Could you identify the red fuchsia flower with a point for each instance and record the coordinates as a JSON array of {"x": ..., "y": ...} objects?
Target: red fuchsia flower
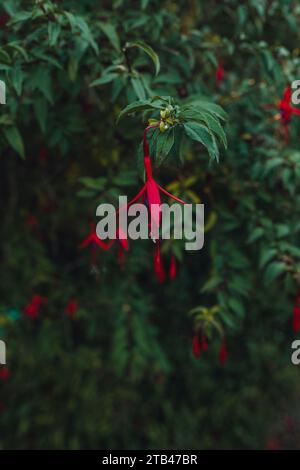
[
  {"x": 87, "y": 107},
  {"x": 272, "y": 444},
  {"x": 173, "y": 268},
  {"x": 289, "y": 423},
  {"x": 121, "y": 257},
  {"x": 223, "y": 353},
  {"x": 220, "y": 72},
  {"x": 296, "y": 319},
  {"x": 93, "y": 240},
  {"x": 123, "y": 246},
  {"x": 43, "y": 154},
  {"x": 71, "y": 307},
  {"x": 151, "y": 191},
  {"x": 158, "y": 267},
  {"x": 196, "y": 346},
  {"x": 204, "y": 345},
  {"x": 286, "y": 111},
  {"x": 31, "y": 221},
  {"x": 4, "y": 374},
  {"x": 4, "y": 18},
  {"x": 33, "y": 307},
  {"x": 296, "y": 314}
]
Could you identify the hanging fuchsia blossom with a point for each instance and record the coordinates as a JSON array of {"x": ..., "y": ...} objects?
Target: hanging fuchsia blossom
[
  {"x": 223, "y": 353},
  {"x": 31, "y": 221},
  {"x": 151, "y": 191},
  {"x": 296, "y": 314},
  {"x": 4, "y": 374},
  {"x": 159, "y": 270},
  {"x": 33, "y": 307},
  {"x": 173, "y": 268},
  {"x": 196, "y": 346},
  {"x": 43, "y": 155},
  {"x": 220, "y": 72},
  {"x": 286, "y": 111},
  {"x": 71, "y": 307},
  {"x": 199, "y": 344},
  {"x": 93, "y": 240}
]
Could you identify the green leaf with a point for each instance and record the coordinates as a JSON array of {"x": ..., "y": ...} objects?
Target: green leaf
[
  {"x": 207, "y": 106},
  {"x": 126, "y": 178},
  {"x": 138, "y": 87},
  {"x": 21, "y": 16},
  {"x": 14, "y": 138},
  {"x": 16, "y": 47},
  {"x": 164, "y": 144},
  {"x": 274, "y": 270},
  {"x": 104, "y": 79},
  {"x": 93, "y": 183},
  {"x": 149, "y": 51},
  {"x": 199, "y": 133},
  {"x": 267, "y": 256},
  {"x": 86, "y": 32},
  {"x": 54, "y": 30},
  {"x": 236, "y": 306},
  {"x": 211, "y": 284},
  {"x": 41, "y": 108},
  {"x": 4, "y": 57},
  {"x": 138, "y": 106},
  {"x": 17, "y": 78},
  {"x": 87, "y": 193},
  {"x": 214, "y": 125},
  {"x": 271, "y": 164},
  {"x": 110, "y": 32},
  {"x": 282, "y": 230},
  {"x": 257, "y": 233}
]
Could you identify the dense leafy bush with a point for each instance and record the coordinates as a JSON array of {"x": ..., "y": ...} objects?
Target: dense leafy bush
[{"x": 99, "y": 352}]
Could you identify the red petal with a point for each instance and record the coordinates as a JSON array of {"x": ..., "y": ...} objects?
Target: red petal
[
  {"x": 71, "y": 308},
  {"x": 223, "y": 353},
  {"x": 296, "y": 319},
  {"x": 295, "y": 110},
  {"x": 4, "y": 373},
  {"x": 104, "y": 245},
  {"x": 158, "y": 266},
  {"x": 122, "y": 239},
  {"x": 121, "y": 257},
  {"x": 31, "y": 310},
  {"x": 196, "y": 347},
  {"x": 154, "y": 203},
  {"x": 170, "y": 195},
  {"x": 220, "y": 72},
  {"x": 287, "y": 95},
  {"x": 86, "y": 241},
  {"x": 173, "y": 268}
]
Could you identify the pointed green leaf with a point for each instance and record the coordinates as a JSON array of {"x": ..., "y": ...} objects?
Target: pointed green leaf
[
  {"x": 14, "y": 138},
  {"x": 149, "y": 51}
]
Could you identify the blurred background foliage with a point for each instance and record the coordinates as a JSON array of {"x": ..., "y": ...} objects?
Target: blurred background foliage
[{"x": 102, "y": 358}]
